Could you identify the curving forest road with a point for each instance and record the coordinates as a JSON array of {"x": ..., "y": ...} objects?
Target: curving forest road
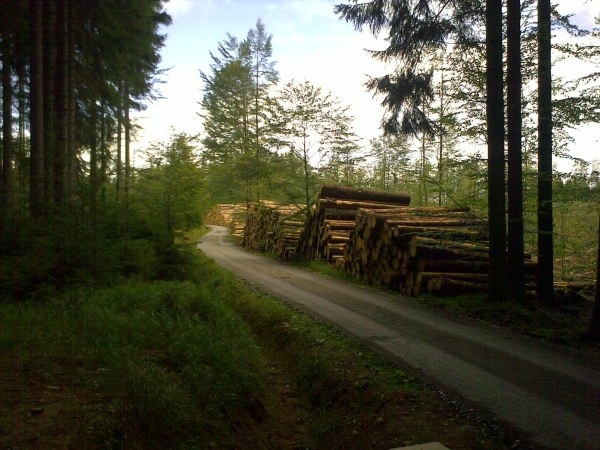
[{"x": 550, "y": 393}]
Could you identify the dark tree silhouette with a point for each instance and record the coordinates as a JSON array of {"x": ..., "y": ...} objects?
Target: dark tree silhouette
[
  {"x": 545, "y": 280},
  {"x": 495, "y": 134},
  {"x": 516, "y": 246}
]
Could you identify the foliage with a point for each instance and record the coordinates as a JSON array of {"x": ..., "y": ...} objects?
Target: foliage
[
  {"x": 71, "y": 73},
  {"x": 315, "y": 130},
  {"x": 237, "y": 109},
  {"x": 170, "y": 192}
]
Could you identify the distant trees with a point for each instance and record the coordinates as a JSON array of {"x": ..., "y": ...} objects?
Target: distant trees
[
  {"x": 258, "y": 140},
  {"x": 236, "y": 108},
  {"x": 314, "y": 127},
  {"x": 391, "y": 166}
]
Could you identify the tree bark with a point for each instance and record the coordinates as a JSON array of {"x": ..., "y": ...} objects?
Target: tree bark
[
  {"x": 60, "y": 99},
  {"x": 49, "y": 104},
  {"x": 545, "y": 222},
  {"x": 36, "y": 190},
  {"x": 7, "y": 121},
  {"x": 495, "y": 135},
  {"x": 339, "y": 192},
  {"x": 516, "y": 245}
]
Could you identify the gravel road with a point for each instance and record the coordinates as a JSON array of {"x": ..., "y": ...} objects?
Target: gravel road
[{"x": 551, "y": 393}]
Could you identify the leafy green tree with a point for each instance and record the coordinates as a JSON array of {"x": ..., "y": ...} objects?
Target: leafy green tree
[
  {"x": 227, "y": 141},
  {"x": 171, "y": 191},
  {"x": 413, "y": 30},
  {"x": 343, "y": 165},
  {"x": 264, "y": 78},
  {"x": 71, "y": 59},
  {"x": 237, "y": 106}
]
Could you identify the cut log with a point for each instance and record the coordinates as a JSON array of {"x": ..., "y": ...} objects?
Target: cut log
[
  {"x": 340, "y": 192},
  {"x": 326, "y": 203}
]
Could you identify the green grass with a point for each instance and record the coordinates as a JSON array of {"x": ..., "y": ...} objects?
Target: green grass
[{"x": 183, "y": 362}]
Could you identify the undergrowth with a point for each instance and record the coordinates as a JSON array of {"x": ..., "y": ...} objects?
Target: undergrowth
[{"x": 184, "y": 364}]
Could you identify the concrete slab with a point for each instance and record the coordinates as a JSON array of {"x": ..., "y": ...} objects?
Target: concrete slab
[{"x": 429, "y": 446}]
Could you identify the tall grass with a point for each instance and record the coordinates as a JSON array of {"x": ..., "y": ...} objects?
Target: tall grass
[{"x": 183, "y": 362}]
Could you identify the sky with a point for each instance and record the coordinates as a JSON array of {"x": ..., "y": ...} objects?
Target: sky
[{"x": 309, "y": 43}]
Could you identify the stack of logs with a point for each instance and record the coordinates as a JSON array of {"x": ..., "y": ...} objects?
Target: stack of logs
[
  {"x": 332, "y": 221},
  {"x": 232, "y": 215},
  {"x": 378, "y": 238},
  {"x": 273, "y": 228},
  {"x": 409, "y": 249}
]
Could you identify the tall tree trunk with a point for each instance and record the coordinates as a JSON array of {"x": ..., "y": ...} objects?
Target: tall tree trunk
[
  {"x": 22, "y": 148},
  {"x": 545, "y": 282},
  {"x": 495, "y": 136},
  {"x": 49, "y": 103},
  {"x": 119, "y": 156},
  {"x": 516, "y": 245},
  {"x": 94, "y": 172},
  {"x": 7, "y": 120},
  {"x": 103, "y": 153},
  {"x": 257, "y": 133},
  {"x": 127, "y": 124},
  {"x": 594, "y": 331},
  {"x": 440, "y": 166},
  {"x": 60, "y": 109},
  {"x": 36, "y": 91},
  {"x": 423, "y": 183},
  {"x": 71, "y": 162}
]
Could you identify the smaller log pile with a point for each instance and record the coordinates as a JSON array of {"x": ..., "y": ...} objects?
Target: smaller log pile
[
  {"x": 286, "y": 228},
  {"x": 332, "y": 221},
  {"x": 232, "y": 215},
  {"x": 258, "y": 219},
  {"x": 273, "y": 228}
]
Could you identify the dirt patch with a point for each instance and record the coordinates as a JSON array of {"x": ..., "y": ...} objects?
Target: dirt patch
[{"x": 45, "y": 405}]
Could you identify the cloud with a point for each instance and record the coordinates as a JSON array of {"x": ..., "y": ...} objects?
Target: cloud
[{"x": 180, "y": 8}]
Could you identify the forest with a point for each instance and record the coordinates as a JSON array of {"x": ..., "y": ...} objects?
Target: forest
[{"x": 467, "y": 125}]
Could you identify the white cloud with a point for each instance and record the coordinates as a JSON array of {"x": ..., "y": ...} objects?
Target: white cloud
[{"x": 179, "y": 8}]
